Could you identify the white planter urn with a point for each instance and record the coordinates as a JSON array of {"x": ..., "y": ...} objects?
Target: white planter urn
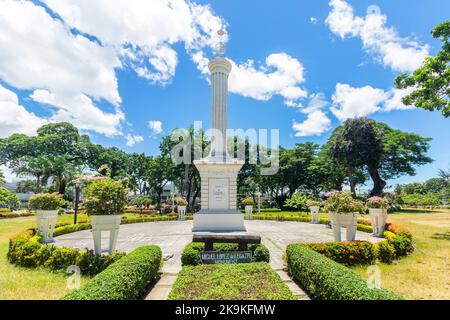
[
  {"x": 248, "y": 212},
  {"x": 378, "y": 218},
  {"x": 181, "y": 213},
  {"x": 111, "y": 224},
  {"x": 314, "y": 214},
  {"x": 45, "y": 223},
  {"x": 345, "y": 220}
]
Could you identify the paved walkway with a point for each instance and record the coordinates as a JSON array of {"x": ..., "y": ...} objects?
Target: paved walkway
[{"x": 173, "y": 236}]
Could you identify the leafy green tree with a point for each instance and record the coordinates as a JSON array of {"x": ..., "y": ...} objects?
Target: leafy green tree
[
  {"x": 8, "y": 199},
  {"x": 297, "y": 202},
  {"x": 359, "y": 143},
  {"x": 431, "y": 82},
  {"x": 386, "y": 153},
  {"x": 2, "y": 178},
  {"x": 160, "y": 172},
  {"x": 141, "y": 202}
]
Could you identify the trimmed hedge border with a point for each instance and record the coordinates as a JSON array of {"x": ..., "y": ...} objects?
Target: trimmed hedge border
[
  {"x": 348, "y": 253},
  {"x": 397, "y": 244},
  {"x": 26, "y": 249},
  {"x": 191, "y": 253},
  {"x": 127, "y": 279},
  {"x": 11, "y": 215},
  {"x": 325, "y": 279}
]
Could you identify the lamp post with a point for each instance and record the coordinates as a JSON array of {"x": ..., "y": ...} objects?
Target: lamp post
[
  {"x": 258, "y": 193},
  {"x": 77, "y": 195},
  {"x": 172, "y": 193}
]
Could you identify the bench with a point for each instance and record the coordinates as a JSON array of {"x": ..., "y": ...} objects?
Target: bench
[{"x": 241, "y": 240}]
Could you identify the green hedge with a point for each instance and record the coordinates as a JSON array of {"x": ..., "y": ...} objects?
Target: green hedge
[
  {"x": 325, "y": 279},
  {"x": 25, "y": 250},
  {"x": 127, "y": 279},
  {"x": 191, "y": 253},
  {"x": 349, "y": 253}
]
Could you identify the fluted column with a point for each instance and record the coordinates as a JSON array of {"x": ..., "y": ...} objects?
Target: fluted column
[{"x": 220, "y": 69}]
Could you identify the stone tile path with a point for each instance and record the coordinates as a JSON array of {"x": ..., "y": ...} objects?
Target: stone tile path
[{"x": 173, "y": 236}]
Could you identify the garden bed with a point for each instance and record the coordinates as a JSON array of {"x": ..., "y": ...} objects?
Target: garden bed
[{"x": 252, "y": 281}]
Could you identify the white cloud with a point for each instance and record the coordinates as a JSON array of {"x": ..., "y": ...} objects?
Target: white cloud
[
  {"x": 155, "y": 127},
  {"x": 349, "y": 102},
  {"x": 280, "y": 75},
  {"x": 132, "y": 140},
  {"x": 145, "y": 31},
  {"x": 14, "y": 117},
  {"x": 313, "y": 20},
  {"x": 395, "y": 99},
  {"x": 393, "y": 51},
  {"x": 317, "y": 121},
  {"x": 38, "y": 52}
]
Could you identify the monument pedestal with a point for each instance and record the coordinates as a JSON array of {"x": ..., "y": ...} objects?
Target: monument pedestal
[{"x": 219, "y": 193}]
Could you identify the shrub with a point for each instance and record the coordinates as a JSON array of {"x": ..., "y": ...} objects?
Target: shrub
[
  {"x": 325, "y": 279},
  {"x": 46, "y": 201},
  {"x": 377, "y": 203},
  {"x": 141, "y": 202},
  {"x": 105, "y": 197},
  {"x": 25, "y": 250},
  {"x": 385, "y": 251},
  {"x": 402, "y": 244},
  {"x": 8, "y": 199},
  {"x": 126, "y": 279},
  {"x": 191, "y": 253},
  {"x": 297, "y": 202},
  {"x": 313, "y": 203},
  {"x": 343, "y": 202},
  {"x": 180, "y": 201},
  {"x": 248, "y": 201},
  {"x": 348, "y": 253}
]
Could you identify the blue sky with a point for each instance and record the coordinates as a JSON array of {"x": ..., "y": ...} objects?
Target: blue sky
[{"x": 313, "y": 61}]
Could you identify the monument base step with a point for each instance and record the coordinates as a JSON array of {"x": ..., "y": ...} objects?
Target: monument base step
[{"x": 218, "y": 221}]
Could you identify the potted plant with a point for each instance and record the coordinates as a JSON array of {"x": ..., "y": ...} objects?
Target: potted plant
[
  {"x": 105, "y": 202},
  {"x": 248, "y": 204},
  {"x": 343, "y": 210},
  {"x": 47, "y": 206},
  {"x": 181, "y": 207},
  {"x": 314, "y": 208},
  {"x": 378, "y": 214}
]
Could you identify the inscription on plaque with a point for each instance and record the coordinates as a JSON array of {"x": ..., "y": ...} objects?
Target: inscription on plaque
[
  {"x": 225, "y": 257},
  {"x": 219, "y": 193}
]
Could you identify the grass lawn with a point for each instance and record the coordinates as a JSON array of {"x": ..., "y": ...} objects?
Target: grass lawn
[
  {"x": 21, "y": 283},
  {"x": 425, "y": 274},
  {"x": 252, "y": 281}
]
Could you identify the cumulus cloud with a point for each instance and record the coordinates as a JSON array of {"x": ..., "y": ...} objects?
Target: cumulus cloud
[
  {"x": 39, "y": 53},
  {"x": 383, "y": 42},
  {"x": 14, "y": 117},
  {"x": 350, "y": 102},
  {"x": 155, "y": 126},
  {"x": 317, "y": 121},
  {"x": 132, "y": 140}
]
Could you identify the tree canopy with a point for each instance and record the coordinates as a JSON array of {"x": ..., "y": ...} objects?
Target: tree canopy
[{"x": 430, "y": 84}]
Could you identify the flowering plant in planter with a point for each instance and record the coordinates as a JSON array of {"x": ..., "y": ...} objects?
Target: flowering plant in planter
[
  {"x": 313, "y": 203},
  {"x": 46, "y": 201},
  {"x": 248, "y": 201},
  {"x": 377, "y": 203},
  {"x": 105, "y": 197},
  {"x": 342, "y": 203},
  {"x": 180, "y": 201},
  {"x": 105, "y": 201}
]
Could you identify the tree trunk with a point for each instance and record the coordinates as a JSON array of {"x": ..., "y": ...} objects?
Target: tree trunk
[
  {"x": 378, "y": 183},
  {"x": 351, "y": 181}
]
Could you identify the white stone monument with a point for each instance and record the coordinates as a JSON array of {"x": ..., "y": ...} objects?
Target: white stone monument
[{"x": 219, "y": 171}]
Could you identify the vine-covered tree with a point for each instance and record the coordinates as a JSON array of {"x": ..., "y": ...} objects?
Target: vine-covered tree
[{"x": 431, "y": 82}]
